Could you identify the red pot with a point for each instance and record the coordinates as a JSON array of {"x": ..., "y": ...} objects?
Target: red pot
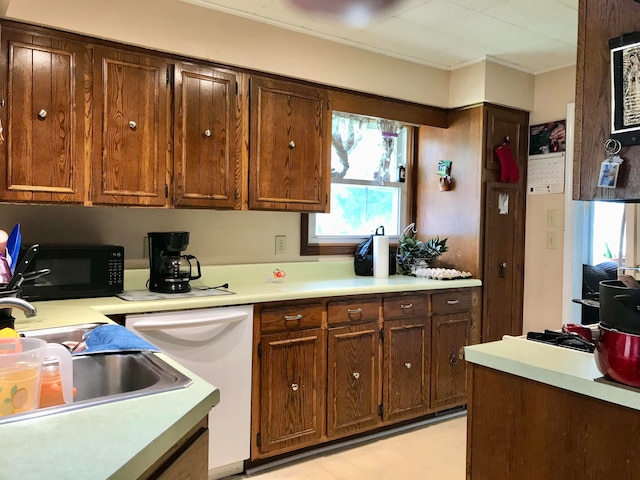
[{"x": 618, "y": 355}]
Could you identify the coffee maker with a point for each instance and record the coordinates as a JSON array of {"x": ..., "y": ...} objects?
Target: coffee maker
[{"x": 170, "y": 271}]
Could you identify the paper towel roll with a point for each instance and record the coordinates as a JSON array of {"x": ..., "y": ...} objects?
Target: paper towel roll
[{"x": 380, "y": 256}]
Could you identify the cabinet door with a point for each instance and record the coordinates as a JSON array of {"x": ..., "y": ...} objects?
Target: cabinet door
[
  {"x": 502, "y": 124},
  {"x": 407, "y": 370},
  {"x": 449, "y": 373},
  {"x": 43, "y": 156},
  {"x": 207, "y": 135},
  {"x": 131, "y": 122},
  {"x": 503, "y": 280},
  {"x": 289, "y": 164},
  {"x": 293, "y": 383},
  {"x": 354, "y": 372}
]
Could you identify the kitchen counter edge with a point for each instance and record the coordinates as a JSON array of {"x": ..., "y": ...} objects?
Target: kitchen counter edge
[{"x": 552, "y": 365}]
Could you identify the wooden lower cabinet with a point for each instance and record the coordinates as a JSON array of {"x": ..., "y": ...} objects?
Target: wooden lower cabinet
[
  {"x": 520, "y": 429},
  {"x": 353, "y": 388},
  {"x": 293, "y": 380},
  {"x": 407, "y": 357},
  {"x": 188, "y": 459},
  {"x": 338, "y": 367},
  {"x": 451, "y": 330}
]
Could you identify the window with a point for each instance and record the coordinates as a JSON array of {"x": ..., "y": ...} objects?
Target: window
[{"x": 369, "y": 159}]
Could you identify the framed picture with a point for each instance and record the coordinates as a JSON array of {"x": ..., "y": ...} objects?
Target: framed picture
[
  {"x": 608, "y": 174},
  {"x": 625, "y": 88},
  {"x": 548, "y": 138}
]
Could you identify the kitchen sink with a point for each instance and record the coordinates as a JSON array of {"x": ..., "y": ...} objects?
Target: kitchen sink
[{"x": 102, "y": 378}]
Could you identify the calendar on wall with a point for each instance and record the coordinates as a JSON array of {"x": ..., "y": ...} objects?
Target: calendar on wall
[{"x": 545, "y": 173}]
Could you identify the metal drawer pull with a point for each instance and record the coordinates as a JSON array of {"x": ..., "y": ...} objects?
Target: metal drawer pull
[
  {"x": 453, "y": 302},
  {"x": 404, "y": 307},
  {"x": 356, "y": 375},
  {"x": 132, "y": 125},
  {"x": 354, "y": 310},
  {"x": 207, "y": 133},
  {"x": 289, "y": 318},
  {"x": 42, "y": 114},
  {"x": 294, "y": 387},
  {"x": 408, "y": 365}
]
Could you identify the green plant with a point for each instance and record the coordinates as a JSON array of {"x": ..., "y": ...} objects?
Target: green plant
[{"x": 412, "y": 251}]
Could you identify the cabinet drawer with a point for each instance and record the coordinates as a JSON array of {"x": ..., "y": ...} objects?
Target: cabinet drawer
[
  {"x": 406, "y": 306},
  {"x": 291, "y": 317},
  {"x": 454, "y": 302},
  {"x": 346, "y": 311}
]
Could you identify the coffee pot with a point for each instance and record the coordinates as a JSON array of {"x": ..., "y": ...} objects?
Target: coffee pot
[{"x": 170, "y": 271}]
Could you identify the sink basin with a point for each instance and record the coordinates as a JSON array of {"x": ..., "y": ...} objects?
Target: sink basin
[{"x": 106, "y": 377}]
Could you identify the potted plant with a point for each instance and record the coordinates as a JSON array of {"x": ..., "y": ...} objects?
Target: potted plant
[{"x": 414, "y": 253}]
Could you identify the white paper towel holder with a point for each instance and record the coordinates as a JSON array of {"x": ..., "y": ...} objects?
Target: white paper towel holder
[{"x": 380, "y": 253}]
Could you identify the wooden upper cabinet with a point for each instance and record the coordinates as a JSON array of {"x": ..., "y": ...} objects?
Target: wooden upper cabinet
[
  {"x": 506, "y": 124},
  {"x": 42, "y": 157},
  {"x": 600, "y": 21},
  {"x": 289, "y": 153},
  {"x": 131, "y": 128},
  {"x": 207, "y": 137}
]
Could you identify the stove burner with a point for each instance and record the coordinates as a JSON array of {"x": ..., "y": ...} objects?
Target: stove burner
[{"x": 562, "y": 339}]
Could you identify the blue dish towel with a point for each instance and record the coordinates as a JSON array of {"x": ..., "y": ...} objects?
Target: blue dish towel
[{"x": 115, "y": 338}]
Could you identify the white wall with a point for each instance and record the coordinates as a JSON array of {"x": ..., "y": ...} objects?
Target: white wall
[{"x": 543, "y": 266}]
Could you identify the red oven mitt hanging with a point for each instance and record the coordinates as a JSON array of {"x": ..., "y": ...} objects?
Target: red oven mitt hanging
[{"x": 509, "y": 171}]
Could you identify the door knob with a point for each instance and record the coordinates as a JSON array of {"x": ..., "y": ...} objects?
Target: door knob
[{"x": 503, "y": 268}]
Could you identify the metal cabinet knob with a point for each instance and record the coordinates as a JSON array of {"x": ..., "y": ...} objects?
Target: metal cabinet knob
[
  {"x": 207, "y": 133},
  {"x": 292, "y": 144},
  {"x": 408, "y": 365},
  {"x": 453, "y": 359},
  {"x": 356, "y": 375},
  {"x": 294, "y": 387},
  {"x": 42, "y": 114},
  {"x": 132, "y": 125}
]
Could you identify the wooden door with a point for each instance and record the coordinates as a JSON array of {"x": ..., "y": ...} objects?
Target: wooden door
[
  {"x": 42, "y": 157},
  {"x": 449, "y": 373},
  {"x": 293, "y": 383},
  {"x": 503, "y": 280},
  {"x": 207, "y": 136},
  {"x": 353, "y": 378},
  {"x": 132, "y": 122},
  {"x": 407, "y": 369},
  {"x": 289, "y": 155}
]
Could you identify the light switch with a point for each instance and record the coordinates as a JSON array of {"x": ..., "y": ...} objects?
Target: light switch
[
  {"x": 552, "y": 218},
  {"x": 552, "y": 240}
]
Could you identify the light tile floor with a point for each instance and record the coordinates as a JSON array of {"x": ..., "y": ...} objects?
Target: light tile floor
[{"x": 433, "y": 452}]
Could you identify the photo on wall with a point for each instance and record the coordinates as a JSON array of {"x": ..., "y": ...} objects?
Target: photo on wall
[{"x": 547, "y": 138}]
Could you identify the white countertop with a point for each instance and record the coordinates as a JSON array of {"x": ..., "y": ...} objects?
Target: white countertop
[
  {"x": 557, "y": 366},
  {"x": 248, "y": 282}
]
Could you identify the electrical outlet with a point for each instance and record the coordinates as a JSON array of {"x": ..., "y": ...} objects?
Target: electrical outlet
[{"x": 281, "y": 244}]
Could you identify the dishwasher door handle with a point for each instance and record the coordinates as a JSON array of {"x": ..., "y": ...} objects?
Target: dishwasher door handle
[{"x": 219, "y": 319}]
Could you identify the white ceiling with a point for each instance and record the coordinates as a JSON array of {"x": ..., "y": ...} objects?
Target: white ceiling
[{"x": 535, "y": 36}]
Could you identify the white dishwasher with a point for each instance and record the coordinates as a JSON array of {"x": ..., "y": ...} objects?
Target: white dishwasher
[{"x": 215, "y": 344}]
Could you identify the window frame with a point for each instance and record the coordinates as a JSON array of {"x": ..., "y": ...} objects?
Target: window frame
[{"x": 371, "y": 105}]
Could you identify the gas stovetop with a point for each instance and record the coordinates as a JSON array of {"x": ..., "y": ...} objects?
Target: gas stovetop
[
  {"x": 562, "y": 339},
  {"x": 142, "y": 295}
]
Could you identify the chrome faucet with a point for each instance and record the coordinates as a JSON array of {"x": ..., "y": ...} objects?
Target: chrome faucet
[{"x": 12, "y": 302}]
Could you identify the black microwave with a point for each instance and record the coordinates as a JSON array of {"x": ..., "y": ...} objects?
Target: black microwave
[{"x": 77, "y": 271}]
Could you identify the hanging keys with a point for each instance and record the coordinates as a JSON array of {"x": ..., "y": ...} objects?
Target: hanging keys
[{"x": 610, "y": 168}]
